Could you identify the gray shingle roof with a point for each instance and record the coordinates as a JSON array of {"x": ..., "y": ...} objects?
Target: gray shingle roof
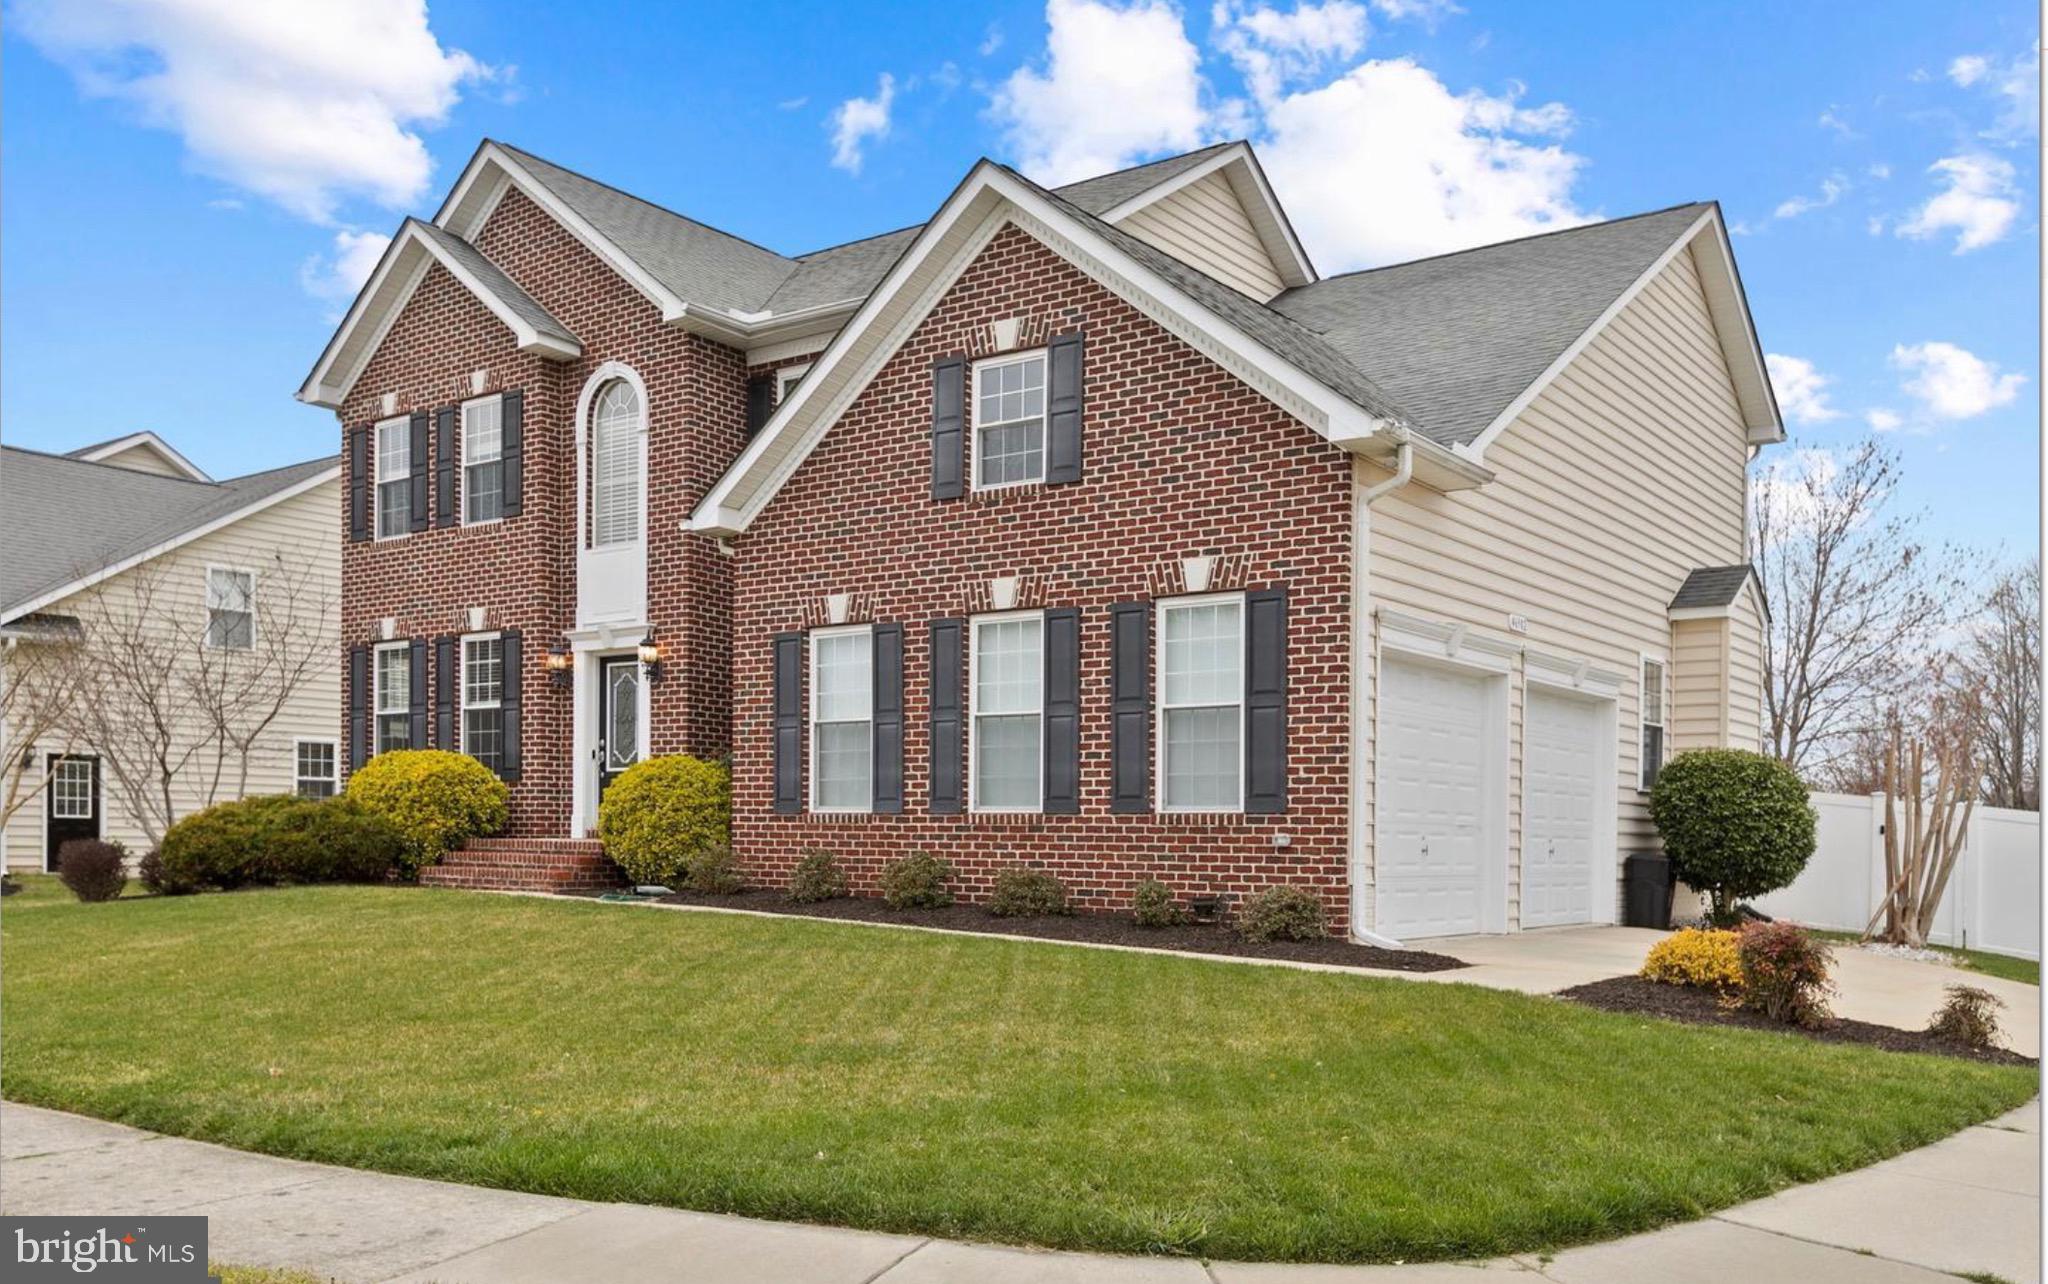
[
  {"x": 1103, "y": 193},
  {"x": 1455, "y": 339},
  {"x": 63, "y": 518},
  {"x": 842, "y": 273},
  {"x": 504, "y": 288},
  {"x": 1711, "y": 586}
]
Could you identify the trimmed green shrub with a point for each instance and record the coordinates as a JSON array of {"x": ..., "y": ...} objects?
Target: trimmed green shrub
[
  {"x": 330, "y": 840},
  {"x": 156, "y": 879},
  {"x": 662, "y": 813},
  {"x": 1023, "y": 892},
  {"x": 917, "y": 881},
  {"x": 93, "y": 870},
  {"x": 817, "y": 877},
  {"x": 1153, "y": 905},
  {"x": 1283, "y": 913},
  {"x": 436, "y": 799},
  {"x": 1968, "y": 1016},
  {"x": 1736, "y": 824},
  {"x": 1785, "y": 973},
  {"x": 713, "y": 869},
  {"x": 222, "y": 846}
]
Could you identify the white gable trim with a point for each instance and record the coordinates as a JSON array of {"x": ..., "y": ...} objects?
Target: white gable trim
[
  {"x": 1731, "y": 322},
  {"x": 391, "y": 286},
  {"x": 989, "y": 198},
  {"x": 1240, "y": 168},
  {"x": 1751, "y": 588},
  {"x": 182, "y": 538},
  {"x": 145, "y": 438}
]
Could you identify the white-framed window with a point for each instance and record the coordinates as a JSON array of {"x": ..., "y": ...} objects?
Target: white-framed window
[
  {"x": 1201, "y": 703},
  {"x": 230, "y": 608},
  {"x": 394, "y": 477},
  {"x": 615, "y": 461},
  {"x": 483, "y": 695},
  {"x": 1007, "y": 703},
  {"x": 314, "y": 773},
  {"x": 842, "y": 719},
  {"x": 1654, "y": 699},
  {"x": 483, "y": 452},
  {"x": 786, "y": 380},
  {"x": 393, "y": 690},
  {"x": 1009, "y": 420},
  {"x": 71, "y": 789}
]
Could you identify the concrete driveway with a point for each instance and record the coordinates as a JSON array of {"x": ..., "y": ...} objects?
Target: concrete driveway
[{"x": 1872, "y": 987}]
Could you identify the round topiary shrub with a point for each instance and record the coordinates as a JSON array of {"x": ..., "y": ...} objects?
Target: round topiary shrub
[
  {"x": 434, "y": 799},
  {"x": 918, "y": 881},
  {"x": 817, "y": 877},
  {"x": 93, "y": 870},
  {"x": 330, "y": 840},
  {"x": 1736, "y": 824},
  {"x": 1023, "y": 892},
  {"x": 1283, "y": 913},
  {"x": 225, "y": 846},
  {"x": 662, "y": 813}
]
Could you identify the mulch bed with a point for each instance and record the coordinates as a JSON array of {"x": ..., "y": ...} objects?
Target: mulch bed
[
  {"x": 1104, "y": 929},
  {"x": 1703, "y": 1007}
]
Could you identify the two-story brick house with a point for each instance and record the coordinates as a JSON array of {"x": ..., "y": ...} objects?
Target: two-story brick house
[{"x": 1087, "y": 528}]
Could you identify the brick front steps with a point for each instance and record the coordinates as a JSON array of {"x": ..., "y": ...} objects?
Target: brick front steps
[{"x": 526, "y": 865}]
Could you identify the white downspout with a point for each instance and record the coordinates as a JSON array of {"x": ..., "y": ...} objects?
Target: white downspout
[{"x": 1361, "y": 661}]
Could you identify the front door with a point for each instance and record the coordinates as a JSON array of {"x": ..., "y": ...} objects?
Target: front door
[
  {"x": 618, "y": 718},
  {"x": 73, "y": 803}
]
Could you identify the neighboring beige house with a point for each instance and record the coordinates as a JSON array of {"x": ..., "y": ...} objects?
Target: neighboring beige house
[{"x": 129, "y": 534}]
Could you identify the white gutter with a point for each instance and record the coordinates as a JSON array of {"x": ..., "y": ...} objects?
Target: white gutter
[{"x": 1361, "y": 659}]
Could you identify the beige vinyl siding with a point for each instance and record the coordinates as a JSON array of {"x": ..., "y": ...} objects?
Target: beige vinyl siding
[
  {"x": 144, "y": 458},
  {"x": 1205, "y": 225},
  {"x": 303, "y": 527},
  {"x": 1699, "y": 684},
  {"x": 1627, "y": 471},
  {"x": 1745, "y": 674}
]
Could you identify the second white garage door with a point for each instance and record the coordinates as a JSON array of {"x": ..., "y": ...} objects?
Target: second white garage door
[
  {"x": 1433, "y": 775},
  {"x": 1564, "y": 744}
]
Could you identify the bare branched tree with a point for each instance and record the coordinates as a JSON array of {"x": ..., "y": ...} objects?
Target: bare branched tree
[
  {"x": 1857, "y": 602},
  {"x": 2000, "y": 661},
  {"x": 38, "y": 685}
]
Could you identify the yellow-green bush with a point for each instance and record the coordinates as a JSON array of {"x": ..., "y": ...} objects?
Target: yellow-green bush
[
  {"x": 434, "y": 798},
  {"x": 662, "y": 814},
  {"x": 1702, "y": 957}
]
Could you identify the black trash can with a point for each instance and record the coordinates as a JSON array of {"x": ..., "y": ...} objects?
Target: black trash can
[{"x": 1647, "y": 888}]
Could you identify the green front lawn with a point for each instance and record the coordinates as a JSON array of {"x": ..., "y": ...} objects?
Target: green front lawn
[{"x": 953, "y": 1086}]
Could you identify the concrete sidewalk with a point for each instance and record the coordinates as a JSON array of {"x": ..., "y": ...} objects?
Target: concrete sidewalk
[{"x": 1970, "y": 1203}]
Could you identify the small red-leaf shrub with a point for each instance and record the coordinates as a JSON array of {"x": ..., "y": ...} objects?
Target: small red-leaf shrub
[
  {"x": 93, "y": 870},
  {"x": 1785, "y": 973},
  {"x": 1968, "y": 1016}
]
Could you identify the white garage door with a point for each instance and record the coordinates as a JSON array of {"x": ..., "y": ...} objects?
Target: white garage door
[
  {"x": 1431, "y": 790},
  {"x": 1562, "y": 751}
]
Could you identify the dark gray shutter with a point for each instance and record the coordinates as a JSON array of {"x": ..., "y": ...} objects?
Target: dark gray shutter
[
  {"x": 948, "y": 714},
  {"x": 887, "y": 659},
  {"x": 1061, "y": 781},
  {"x": 508, "y": 703},
  {"x": 359, "y": 484},
  {"x": 512, "y": 456},
  {"x": 416, "y": 725},
  {"x": 789, "y": 723},
  {"x": 1063, "y": 410},
  {"x": 447, "y": 678},
  {"x": 1130, "y": 707},
  {"x": 760, "y": 402},
  {"x": 444, "y": 467},
  {"x": 422, "y": 468},
  {"x": 1265, "y": 701},
  {"x": 949, "y": 420},
  {"x": 358, "y": 706}
]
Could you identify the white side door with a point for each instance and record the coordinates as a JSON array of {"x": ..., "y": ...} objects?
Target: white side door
[
  {"x": 1564, "y": 742},
  {"x": 1431, "y": 794}
]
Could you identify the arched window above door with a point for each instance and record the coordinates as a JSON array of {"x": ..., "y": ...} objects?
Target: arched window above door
[{"x": 616, "y": 462}]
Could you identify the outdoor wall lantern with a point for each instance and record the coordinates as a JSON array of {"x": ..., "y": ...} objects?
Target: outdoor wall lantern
[
  {"x": 559, "y": 662},
  {"x": 650, "y": 658}
]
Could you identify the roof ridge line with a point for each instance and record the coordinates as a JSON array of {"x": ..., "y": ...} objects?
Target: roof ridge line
[
  {"x": 1515, "y": 240},
  {"x": 68, "y": 458}
]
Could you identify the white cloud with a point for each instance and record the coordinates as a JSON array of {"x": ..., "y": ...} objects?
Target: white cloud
[
  {"x": 1790, "y": 489},
  {"x": 337, "y": 276},
  {"x": 1978, "y": 205},
  {"x": 1802, "y": 390},
  {"x": 991, "y": 41},
  {"x": 1952, "y": 382},
  {"x": 1881, "y": 420},
  {"x": 1880, "y": 171},
  {"x": 1427, "y": 12},
  {"x": 793, "y": 104},
  {"x": 1274, "y": 49},
  {"x": 1831, "y": 190},
  {"x": 305, "y": 103},
  {"x": 857, "y": 120},
  {"x": 1968, "y": 69},
  {"x": 1832, "y": 119},
  {"x": 1119, "y": 82},
  {"x": 1448, "y": 171}
]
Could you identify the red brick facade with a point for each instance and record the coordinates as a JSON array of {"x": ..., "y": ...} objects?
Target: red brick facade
[{"x": 1182, "y": 459}]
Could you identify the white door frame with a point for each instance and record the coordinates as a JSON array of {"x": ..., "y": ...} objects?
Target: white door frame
[
  {"x": 1584, "y": 686},
  {"x": 587, "y": 647}
]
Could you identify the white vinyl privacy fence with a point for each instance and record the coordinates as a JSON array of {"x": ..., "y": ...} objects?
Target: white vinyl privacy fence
[{"x": 1993, "y": 900}]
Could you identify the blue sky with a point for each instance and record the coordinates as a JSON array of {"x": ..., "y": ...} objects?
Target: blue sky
[{"x": 192, "y": 191}]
